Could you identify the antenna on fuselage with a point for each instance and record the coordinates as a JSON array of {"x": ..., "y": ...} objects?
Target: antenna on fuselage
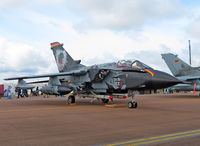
[{"x": 190, "y": 59}]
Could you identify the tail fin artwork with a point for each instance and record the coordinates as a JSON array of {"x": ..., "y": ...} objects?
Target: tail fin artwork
[
  {"x": 64, "y": 61},
  {"x": 177, "y": 66}
]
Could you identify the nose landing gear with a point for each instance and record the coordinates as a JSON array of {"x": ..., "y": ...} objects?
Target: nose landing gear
[{"x": 132, "y": 103}]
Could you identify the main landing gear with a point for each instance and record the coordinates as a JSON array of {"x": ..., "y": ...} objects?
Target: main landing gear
[
  {"x": 71, "y": 99},
  {"x": 132, "y": 103},
  {"x": 104, "y": 100}
]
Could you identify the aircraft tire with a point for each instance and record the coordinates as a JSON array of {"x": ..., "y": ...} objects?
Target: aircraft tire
[
  {"x": 71, "y": 99},
  {"x": 132, "y": 104},
  {"x": 105, "y": 100}
]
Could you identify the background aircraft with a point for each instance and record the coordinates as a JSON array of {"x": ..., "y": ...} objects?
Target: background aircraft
[
  {"x": 104, "y": 81},
  {"x": 184, "y": 72}
]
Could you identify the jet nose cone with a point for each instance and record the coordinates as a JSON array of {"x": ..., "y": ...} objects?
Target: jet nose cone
[
  {"x": 164, "y": 80},
  {"x": 172, "y": 80}
]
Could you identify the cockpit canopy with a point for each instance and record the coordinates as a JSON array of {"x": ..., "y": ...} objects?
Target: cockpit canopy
[{"x": 132, "y": 64}]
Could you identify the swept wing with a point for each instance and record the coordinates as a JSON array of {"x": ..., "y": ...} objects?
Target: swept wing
[{"x": 75, "y": 73}]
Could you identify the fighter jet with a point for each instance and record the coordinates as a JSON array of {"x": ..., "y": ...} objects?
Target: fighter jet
[
  {"x": 184, "y": 72},
  {"x": 103, "y": 81}
]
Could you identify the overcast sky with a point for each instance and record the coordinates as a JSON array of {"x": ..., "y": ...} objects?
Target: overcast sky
[{"x": 95, "y": 31}]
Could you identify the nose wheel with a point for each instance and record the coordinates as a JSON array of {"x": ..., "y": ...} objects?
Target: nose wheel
[{"x": 132, "y": 104}]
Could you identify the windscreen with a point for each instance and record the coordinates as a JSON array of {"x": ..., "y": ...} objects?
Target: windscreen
[
  {"x": 132, "y": 64},
  {"x": 140, "y": 65}
]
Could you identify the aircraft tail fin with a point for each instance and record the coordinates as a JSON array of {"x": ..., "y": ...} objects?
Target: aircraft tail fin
[
  {"x": 177, "y": 66},
  {"x": 64, "y": 61}
]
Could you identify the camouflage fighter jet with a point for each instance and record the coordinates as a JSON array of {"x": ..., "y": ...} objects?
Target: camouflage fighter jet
[
  {"x": 184, "y": 72},
  {"x": 103, "y": 81}
]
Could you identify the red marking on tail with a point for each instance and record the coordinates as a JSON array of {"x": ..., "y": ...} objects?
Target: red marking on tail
[{"x": 60, "y": 61}]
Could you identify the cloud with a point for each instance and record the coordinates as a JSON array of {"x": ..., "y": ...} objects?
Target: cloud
[
  {"x": 117, "y": 14},
  {"x": 8, "y": 3},
  {"x": 193, "y": 28},
  {"x": 96, "y": 31},
  {"x": 22, "y": 59},
  {"x": 93, "y": 46},
  {"x": 21, "y": 3}
]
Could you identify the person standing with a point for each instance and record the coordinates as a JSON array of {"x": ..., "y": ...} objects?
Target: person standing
[{"x": 18, "y": 92}]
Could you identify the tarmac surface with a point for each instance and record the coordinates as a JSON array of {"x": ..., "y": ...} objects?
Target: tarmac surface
[{"x": 159, "y": 120}]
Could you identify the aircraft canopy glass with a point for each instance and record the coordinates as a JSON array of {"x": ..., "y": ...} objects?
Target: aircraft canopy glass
[
  {"x": 124, "y": 63},
  {"x": 132, "y": 64}
]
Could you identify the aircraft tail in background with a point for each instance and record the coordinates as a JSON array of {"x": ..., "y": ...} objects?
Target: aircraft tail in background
[{"x": 177, "y": 66}]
